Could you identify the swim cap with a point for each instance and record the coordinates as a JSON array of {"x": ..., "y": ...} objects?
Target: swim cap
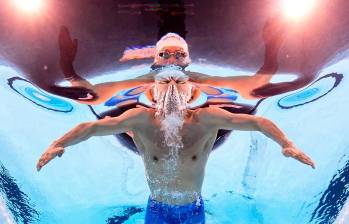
[{"x": 170, "y": 39}]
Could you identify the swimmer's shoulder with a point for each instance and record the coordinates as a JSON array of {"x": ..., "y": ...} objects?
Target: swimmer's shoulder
[
  {"x": 145, "y": 113},
  {"x": 142, "y": 110},
  {"x": 137, "y": 116},
  {"x": 138, "y": 112},
  {"x": 203, "y": 111},
  {"x": 209, "y": 114},
  {"x": 202, "y": 114}
]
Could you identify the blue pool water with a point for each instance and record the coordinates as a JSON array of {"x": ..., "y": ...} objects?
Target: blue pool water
[{"x": 247, "y": 178}]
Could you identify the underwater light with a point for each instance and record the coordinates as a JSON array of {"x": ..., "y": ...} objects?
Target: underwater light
[
  {"x": 297, "y": 8},
  {"x": 28, "y": 5}
]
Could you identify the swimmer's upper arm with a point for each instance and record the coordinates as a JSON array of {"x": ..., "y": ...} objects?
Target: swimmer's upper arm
[
  {"x": 222, "y": 119},
  {"x": 106, "y": 90},
  {"x": 121, "y": 124},
  {"x": 244, "y": 84}
]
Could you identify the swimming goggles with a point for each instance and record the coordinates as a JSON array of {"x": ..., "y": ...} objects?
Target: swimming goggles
[{"x": 177, "y": 54}]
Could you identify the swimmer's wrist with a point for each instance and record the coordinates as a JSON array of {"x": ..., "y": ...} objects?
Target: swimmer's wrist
[
  {"x": 57, "y": 143},
  {"x": 287, "y": 144}
]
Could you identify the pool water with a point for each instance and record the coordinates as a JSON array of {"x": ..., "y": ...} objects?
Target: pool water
[{"x": 247, "y": 179}]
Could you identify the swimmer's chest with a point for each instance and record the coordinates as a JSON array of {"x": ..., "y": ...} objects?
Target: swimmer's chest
[{"x": 193, "y": 135}]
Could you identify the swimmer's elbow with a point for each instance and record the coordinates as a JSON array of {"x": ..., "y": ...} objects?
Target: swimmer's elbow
[
  {"x": 265, "y": 125},
  {"x": 259, "y": 123},
  {"x": 88, "y": 128},
  {"x": 107, "y": 126}
]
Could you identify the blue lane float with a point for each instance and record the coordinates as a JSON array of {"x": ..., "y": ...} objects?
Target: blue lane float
[
  {"x": 37, "y": 96},
  {"x": 315, "y": 91}
]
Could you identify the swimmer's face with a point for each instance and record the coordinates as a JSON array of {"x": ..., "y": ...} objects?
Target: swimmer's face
[
  {"x": 172, "y": 56},
  {"x": 172, "y": 94},
  {"x": 181, "y": 84}
]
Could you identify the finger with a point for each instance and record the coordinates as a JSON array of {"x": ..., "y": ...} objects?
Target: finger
[
  {"x": 64, "y": 29},
  {"x": 306, "y": 160},
  {"x": 40, "y": 164},
  {"x": 60, "y": 153},
  {"x": 44, "y": 160},
  {"x": 75, "y": 43},
  {"x": 75, "y": 47},
  {"x": 64, "y": 36},
  {"x": 299, "y": 157},
  {"x": 311, "y": 163}
]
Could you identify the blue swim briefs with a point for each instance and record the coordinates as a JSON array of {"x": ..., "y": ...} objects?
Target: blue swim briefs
[{"x": 161, "y": 213}]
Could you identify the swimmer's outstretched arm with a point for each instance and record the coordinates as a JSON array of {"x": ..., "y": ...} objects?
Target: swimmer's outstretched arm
[
  {"x": 104, "y": 91},
  {"x": 99, "y": 93},
  {"x": 273, "y": 36},
  {"x": 222, "y": 119},
  {"x": 83, "y": 131}
]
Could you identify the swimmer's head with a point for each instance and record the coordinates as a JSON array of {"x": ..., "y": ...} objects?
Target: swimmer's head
[
  {"x": 172, "y": 49},
  {"x": 171, "y": 92}
]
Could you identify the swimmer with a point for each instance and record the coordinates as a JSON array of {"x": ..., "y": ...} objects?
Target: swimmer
[
  {"x": 171, "y": 49},
  {"x": 174, "y": 143}
]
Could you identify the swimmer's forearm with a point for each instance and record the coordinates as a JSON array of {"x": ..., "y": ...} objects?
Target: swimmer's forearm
[
  {"x": 76, "y": 135},
  {"x": 270, "y": 65},
  {"x": 269, "y": 129},
  {"x": 105, "y": 91}
]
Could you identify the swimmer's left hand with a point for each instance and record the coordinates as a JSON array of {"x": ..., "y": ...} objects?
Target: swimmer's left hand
[
  {"x": 291, "y": 151},
  {"x": 52, "y": 152}
]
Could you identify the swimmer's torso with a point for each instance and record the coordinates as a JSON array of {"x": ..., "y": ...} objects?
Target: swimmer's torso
[{"x": 175, "y": 179}]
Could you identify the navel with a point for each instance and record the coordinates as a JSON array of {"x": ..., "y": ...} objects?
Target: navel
[
  {"x": 155, "y": 158},
  {"x": 193, "y": 157}
]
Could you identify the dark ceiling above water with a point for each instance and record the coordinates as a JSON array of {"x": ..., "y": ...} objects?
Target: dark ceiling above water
[{"x": 221, "y": 31}]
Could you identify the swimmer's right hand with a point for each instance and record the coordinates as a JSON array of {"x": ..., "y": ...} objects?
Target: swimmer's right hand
[
  {"x": 50, "y": 154},
  {"x": 74, "y": 92},
  {"x": 292, "y": 151}
]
